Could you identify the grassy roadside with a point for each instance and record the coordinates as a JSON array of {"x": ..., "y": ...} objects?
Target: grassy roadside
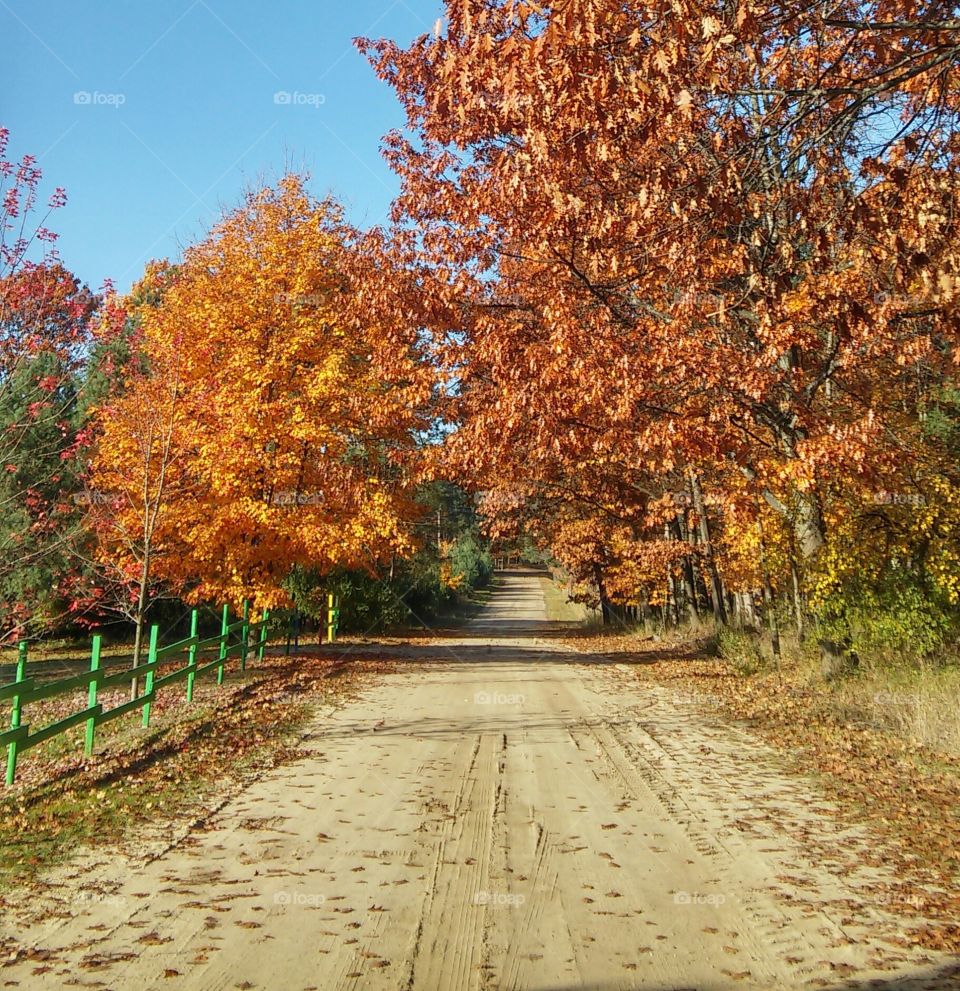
[
  {"x": 905, "y": 792},
  {"x": 63, "y": 658},
  {"x": 469, "y": 605},
  {"x": 140, "y": 783}
]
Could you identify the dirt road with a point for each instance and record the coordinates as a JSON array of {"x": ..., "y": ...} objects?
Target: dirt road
[{"x": 506, "y": 817}]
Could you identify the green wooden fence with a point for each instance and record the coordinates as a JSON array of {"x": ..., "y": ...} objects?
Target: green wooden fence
[{"x": 23, "y": 690}]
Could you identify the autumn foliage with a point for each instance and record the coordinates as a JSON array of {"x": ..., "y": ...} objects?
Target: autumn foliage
[
  {"x": 674, "y": 288},
  {"x": 691, "y": 246},
  {"x": 44, "y": 316},
  {"x": 275, "y": 421}
]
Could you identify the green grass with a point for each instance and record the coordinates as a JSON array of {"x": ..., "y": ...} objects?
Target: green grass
[
  {"x": 464, "y": 608},
  {"x": 75, "y": 653},
  {"x": 915, "y": 701}
]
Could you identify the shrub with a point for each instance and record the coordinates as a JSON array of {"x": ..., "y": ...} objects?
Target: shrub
[
  {"x": 893, "y": 620},
  {"x": 741, "y": 649}
]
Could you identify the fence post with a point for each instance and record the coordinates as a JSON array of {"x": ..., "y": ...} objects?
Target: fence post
[
  {"x": 331, "y": 624},
  {"x": 15, "y": 713},
  {"x": 263, "y": 635},
  {"x": 92, "y": 694},
  {"x": 192, "y": 655},
  {"x": 151, "y": 658},
  {"x": 293, "y": 630},
  {"x": 245, "y": 633},
  {"x": 224, "y": 623}
]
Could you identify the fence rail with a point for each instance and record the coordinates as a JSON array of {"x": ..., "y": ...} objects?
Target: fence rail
[{"x": 238, "y": 639}]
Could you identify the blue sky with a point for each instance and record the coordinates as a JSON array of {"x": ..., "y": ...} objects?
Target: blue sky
[{"x": 155, "y": 116}]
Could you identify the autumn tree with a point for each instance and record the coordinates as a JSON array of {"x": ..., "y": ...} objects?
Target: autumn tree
[
  {"x": 134, "y": 484},
  {"x": 44, "y": 317},
  {"x": 40, "y": 437},
  {"x": 297, "y": 411},
  {"x": 683, "y": 241}
]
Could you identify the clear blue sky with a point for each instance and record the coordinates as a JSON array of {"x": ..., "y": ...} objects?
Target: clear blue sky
[{"x": 154, "y": 116}]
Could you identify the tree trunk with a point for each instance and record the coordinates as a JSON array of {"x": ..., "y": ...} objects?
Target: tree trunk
[
  {"x": 747, "y": 611},
  {"x": 686, "y": 575},
  {"x": 137, "y": 644},
  {"x": 836, "y": 659},
  {"x": 772, "y": 614},
  {"x": 797, "y": 598},
  {"x": 809, "y": 527},
  {"x": 768, "y": 599},
  {"x": 645, "y": 612},
  {"x": 602, "y": 593},
  {"x": 701, "y": 592},
  {"x": 140, "y": 618},
  {"x": 715, "y": 587},
  {"x": 673, "y": 598}
]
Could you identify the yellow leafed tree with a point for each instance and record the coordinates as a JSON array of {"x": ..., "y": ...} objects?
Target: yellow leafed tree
[{"x": 298, "y": 413}]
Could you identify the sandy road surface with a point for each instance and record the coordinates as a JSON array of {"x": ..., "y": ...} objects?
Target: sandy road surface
[{"x": 508, "y": 817}]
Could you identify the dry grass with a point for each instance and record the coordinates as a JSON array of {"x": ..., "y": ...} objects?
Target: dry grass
[
  {"x": 919, "y": 705},
  {"x": 559, "y": 608}
]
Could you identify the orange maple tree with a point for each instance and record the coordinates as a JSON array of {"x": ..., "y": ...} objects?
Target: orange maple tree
[{"x": 290, "y": 415}]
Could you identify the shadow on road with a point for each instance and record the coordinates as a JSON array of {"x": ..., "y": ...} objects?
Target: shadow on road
[
  {"x": 508, "y": 719},
  {"x": 456, "y": 649},
  {"x": 939, "y": 979}
]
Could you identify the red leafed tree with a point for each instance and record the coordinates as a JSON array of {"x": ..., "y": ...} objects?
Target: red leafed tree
[
  {"x": 688, "y": 237},
  {"x": 44, "y": 316}
]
